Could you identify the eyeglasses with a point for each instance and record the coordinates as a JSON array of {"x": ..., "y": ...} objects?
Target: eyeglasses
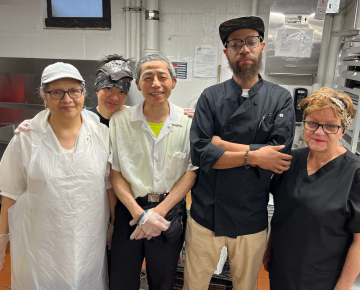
[
  {"x": 237, "y": 44},
  {"x": 327, "y": 128},
  {"x": 59, "y": 94}
]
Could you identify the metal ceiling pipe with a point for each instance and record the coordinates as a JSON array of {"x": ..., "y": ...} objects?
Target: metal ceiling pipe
[
  {"x": 319, "y": 79},
  {"x": 152, "y": 27},
  {"x": 254, "y": 7},
  {"x": 333, "y": 48},
  {"x": 127, "y": 29},
  {"x": 138, "y": 30}
]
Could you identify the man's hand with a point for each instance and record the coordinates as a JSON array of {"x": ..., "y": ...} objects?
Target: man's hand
[
  {"x": 139, "y": 234},
  {"x": 269, "y": 158},
  {"x": 152, "y": 223}
]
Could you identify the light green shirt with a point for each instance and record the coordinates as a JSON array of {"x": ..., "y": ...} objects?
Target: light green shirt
[{"x": 150, "y": 164}]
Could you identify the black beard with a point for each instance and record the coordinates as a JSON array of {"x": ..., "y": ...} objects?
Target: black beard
[{"x": 247, "y": 73}]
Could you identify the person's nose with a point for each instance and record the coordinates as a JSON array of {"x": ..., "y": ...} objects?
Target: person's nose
[
  {"x": 66, "y": 98},
  {"x": 244, "y": 49},
  {"x": 320, "y": 130},
  {"x": 156, "y": 83},
  {"x": 115, "y": 97}
]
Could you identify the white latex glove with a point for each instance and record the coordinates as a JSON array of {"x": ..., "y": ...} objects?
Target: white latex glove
[
  {"x": 4, "y": 239},
  {"x": 23, "y": 127},
  {"x": 139, "y": 234},
  {"x": 109, "y": 235},
  {"x": 152, "y": 223},
  {"x": 189, "y": 112}
]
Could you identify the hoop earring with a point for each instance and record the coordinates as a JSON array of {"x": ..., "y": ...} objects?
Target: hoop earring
[
  {"x": 343, "y": 142},
  {"x": 302, "y": 137}
]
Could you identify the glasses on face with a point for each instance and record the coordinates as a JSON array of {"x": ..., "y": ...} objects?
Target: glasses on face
[
  {"x": 237, "y": 44},
  {"x": 327, "y": 128},
  {"x": 59, "y": 94}
]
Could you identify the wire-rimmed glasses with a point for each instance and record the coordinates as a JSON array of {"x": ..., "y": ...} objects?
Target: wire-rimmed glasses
[{"x": 237, "y": 44}]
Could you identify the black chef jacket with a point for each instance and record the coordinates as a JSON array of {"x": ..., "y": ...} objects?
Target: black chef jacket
[
  {"x": 233, "y": 202},
  {"x": 314, "y": 221}
]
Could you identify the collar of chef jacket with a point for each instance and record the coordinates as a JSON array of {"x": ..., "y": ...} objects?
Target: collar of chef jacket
[
  {"x": 253, "y": 91},
  {"x": 174, "y": 118},
  {"x": 40, "y": 124}
]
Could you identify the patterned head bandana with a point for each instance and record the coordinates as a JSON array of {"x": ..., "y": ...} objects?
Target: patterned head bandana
[
  {"x": 338, "y": 103},
  {"x": 115, "y": 74}
]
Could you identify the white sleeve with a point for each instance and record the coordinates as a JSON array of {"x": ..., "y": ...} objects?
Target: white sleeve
[
  {"x": 12, "y": 169},
  {"x": 106, "y": 139},
  {"x": 114, "y": 156}
]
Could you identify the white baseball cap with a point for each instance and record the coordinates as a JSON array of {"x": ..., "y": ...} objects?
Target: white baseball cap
[{"x": 60, "y": 70}]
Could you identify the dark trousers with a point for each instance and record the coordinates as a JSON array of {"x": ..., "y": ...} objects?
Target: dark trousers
[{"x": 127, "y": 256}]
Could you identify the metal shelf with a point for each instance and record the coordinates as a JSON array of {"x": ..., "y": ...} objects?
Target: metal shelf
[
  {"x": 352, "y": 136},
  {"x": 350, "y": 63},
  {"x": 350, "y": 77}
]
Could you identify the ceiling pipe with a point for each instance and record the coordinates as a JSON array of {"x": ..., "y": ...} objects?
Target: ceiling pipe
[
  {"x": 333, "y": 48},
  {"x": 254, "y": 7},
  {"x": 127, "y": 29},
  {"x": 138, "y": 30},
  {"x": 319, "y": 79},
  {"x": 152, "y": 27}
]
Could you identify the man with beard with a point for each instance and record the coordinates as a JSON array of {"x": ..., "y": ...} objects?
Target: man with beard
[{"x": 240, "y": 133}]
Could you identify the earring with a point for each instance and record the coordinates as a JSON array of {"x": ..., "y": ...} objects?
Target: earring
[
  {"x": 302, "y": 137},
  {"x": 45, "y": 107},
  {"x": 343, "y": 144}
]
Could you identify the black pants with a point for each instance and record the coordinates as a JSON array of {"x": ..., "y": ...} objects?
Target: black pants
[{"x": 127, "y": 256}]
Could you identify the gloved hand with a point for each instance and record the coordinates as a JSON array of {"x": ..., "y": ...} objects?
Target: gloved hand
[
  {"x": 139, "y": 234},
  {"x": 152, "y": 223},
  {"x": 23, "y": 127},
  {"x": 189, "y": 112},
  {"x": 3, "y": 244},
  {"x": 109, "y": 235}
]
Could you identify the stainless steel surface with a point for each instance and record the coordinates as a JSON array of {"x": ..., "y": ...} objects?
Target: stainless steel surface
[
  {"x": 293, "y": 65},
  {"x": 333, "y": 6},
  {"x": 347, "y": 33},
  {"x": 352, "y": 135},
  {"x": 356, "y": 13},
  {"x": 6, "y": 133}
]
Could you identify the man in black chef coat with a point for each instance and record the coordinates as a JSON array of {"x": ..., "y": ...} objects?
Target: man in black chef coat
[{"x": 240, "y": 133}]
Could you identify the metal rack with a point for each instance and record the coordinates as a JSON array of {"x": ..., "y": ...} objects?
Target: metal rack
[{"x": 349, "y": 46}]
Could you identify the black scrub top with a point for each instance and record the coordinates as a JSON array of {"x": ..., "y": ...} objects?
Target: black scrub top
[
  {"x": 314, "y": 221},
  {"x": 233, "y": 202},
  {"x": 102, "y": 119}
]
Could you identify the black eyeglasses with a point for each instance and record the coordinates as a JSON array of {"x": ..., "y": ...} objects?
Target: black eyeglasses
[
  {"x": 237, "y": 44},
  {"x": 59, "y": 94},
  {"x": 327, "y": 128}
]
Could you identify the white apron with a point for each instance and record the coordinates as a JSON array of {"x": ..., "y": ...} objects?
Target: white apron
[{"x": 58, "y": 225}]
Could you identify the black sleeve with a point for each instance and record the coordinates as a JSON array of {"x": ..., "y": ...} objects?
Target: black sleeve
[
  {"x": 283, "y": 131},
  {"x": 353, "y": 223},
  {"x": 203, "y": 153}
]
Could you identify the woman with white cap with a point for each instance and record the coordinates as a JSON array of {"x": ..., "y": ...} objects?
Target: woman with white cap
[{"x": 54, "y": 182}]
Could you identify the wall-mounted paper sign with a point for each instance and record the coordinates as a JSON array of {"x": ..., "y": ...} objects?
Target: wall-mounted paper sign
[
  {"x": 296, "y": 19},
  {"x": 183, "y": 68},
  {"x": 294, "y": 42},
  {"x": 205, "y": 65}
]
